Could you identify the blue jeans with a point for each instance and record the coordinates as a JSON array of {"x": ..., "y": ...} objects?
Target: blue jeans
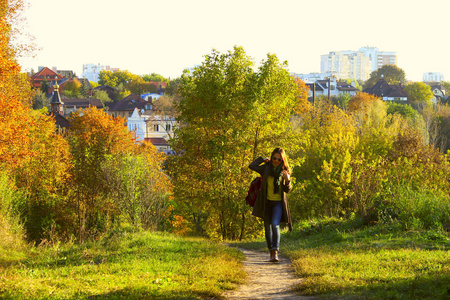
[{"x": 272, "y": 224}]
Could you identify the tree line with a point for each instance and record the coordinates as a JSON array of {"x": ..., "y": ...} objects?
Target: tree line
[
  {"x": 360, "y": 157},
  {"x": 351, "y": 157}
]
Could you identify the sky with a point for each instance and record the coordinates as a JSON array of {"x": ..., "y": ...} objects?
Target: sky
[{"x": 166, "y": 37}]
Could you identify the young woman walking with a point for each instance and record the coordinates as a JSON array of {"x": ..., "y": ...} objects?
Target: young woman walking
[{"x": 271, "y": 204}]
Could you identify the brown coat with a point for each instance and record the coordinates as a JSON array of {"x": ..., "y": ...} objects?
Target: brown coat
[{"x": 263, "y": 169}]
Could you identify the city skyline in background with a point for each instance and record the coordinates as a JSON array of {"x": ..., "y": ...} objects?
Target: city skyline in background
[{"x": 152, "y": 37}]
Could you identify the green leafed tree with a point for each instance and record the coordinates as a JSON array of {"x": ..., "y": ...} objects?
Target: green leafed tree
[
  {"x": 229, "y": 114},
  {"x": 172, "y": 86},
  {"x": 40, "y": 100},
  {"x": 115, "y": 78},
  {"x": 391, "y": 73},
  {"x": 154, "y": 78},
  {"x": 419, "y": 93},
  {"x": 140, "y": 87},
  {"x": 102, "y": 96}
]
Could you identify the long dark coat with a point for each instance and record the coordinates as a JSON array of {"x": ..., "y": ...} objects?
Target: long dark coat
[{"x": 263, "y": 169}]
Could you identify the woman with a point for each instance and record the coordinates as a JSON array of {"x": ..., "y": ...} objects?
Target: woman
[{"x": 271, "y": 203}]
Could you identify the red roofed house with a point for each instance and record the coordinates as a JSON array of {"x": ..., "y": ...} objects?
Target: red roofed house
[{"x": 43, "y": 75}]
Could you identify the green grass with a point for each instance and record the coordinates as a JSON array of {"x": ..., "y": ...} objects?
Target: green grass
[
  {"x": 338, "y": 260},
  {"x": 375, "y": 262},
  {"x": 347, "y": 260},
  {"x": 122, "y": 266}
]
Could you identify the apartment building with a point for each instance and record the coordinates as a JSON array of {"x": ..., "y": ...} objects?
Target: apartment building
[
  {"x": 92, "y": 71},
  {"x": 356, "y": 64}
]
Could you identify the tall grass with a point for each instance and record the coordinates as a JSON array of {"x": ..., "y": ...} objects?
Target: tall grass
[
  {"x": 11, "y": 230},
  {"x": 415, "y": 208},
  {"x": 123, "y": 265}
]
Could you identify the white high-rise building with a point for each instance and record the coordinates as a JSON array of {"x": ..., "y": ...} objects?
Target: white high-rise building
[
  {"x": 356, "y": 64},
  {"x": 92, "y": 71},
  {"x": 379, "y": 58},
  {"x": 433, "y": 77}
]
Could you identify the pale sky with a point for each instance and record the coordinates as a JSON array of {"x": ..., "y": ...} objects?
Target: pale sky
[{"x": 165, "y": 37}]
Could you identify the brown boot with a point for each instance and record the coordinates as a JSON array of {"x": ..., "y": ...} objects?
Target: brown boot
[
  {"x": 272, "y": 252},
  {"x": 275, "y": 256}
]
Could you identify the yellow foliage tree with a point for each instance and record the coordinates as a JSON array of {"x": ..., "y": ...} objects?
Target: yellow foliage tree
[
  {"x": 12, "y": 82},
  {"x": 361, "y": 101},
  {"x": 302, "y": 104}
]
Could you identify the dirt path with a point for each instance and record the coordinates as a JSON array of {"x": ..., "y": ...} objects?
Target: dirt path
[{"x": 266, "y": 280}]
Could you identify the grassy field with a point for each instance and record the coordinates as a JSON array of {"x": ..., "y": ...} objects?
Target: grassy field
[
  {"x": 122, "y": 266},
  {"x": 338, "y": 261}
]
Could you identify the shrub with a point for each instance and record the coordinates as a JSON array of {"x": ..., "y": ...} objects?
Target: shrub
[
  {"x": 414, "y": 208},
  {"x": 11, "y": 230}
]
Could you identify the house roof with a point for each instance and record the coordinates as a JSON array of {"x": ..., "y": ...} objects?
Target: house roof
[
  {"x": 83, "y": 103},
  {"x": 159, "y": 85},
  {"x": 44, "y": 74},
  {"x": 435, "y": 85},
  {"x": 60, "y": 121},
  {"x": 323, "y": 83},
  {"x": 129, "y": 103},
  {"x": 157, "y": 141},
  {"x": 383, "y": 89},
  {"x": 318, "y": 87},
  {"x": 344, "y": 86}
]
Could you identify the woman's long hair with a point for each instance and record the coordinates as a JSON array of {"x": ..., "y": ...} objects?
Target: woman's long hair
[{"x": 285, "y": 161}]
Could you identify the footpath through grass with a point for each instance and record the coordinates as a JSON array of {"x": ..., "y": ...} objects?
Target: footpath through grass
[
  {"x": 122, "y": 266},
  {"x": 339, "y": 261}
]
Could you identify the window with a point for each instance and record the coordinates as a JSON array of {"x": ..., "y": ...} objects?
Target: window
[
  {"x": 167, "y": 127},
  {"x": 155, "y": 127}
]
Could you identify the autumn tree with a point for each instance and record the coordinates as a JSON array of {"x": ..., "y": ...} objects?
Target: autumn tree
[
  {"x": 228, "y": 115},
  {"x": 372, "y": 122},
  {"x": 391, "y": 73},
  {"x": 138, "y": 185},
  {"x": 139, "y": 87},
  {"x": 14, "y": 117},
  {"x": 302, "y": 104},
  {"x": 361, "y": 100},
  {"x": 36, "y": 159},
  {"x": 436, "y": 125},
  {"x": 72, "y": 89},
  {"x": 342, "y": 100},
  {"x": 44, "y": 178},
  {"x": 12, "y": 82},
  {"x": 115, "y": 78},
  {"x": 326, "y": 141},
  {"x": 94, "y": 137},
  {"x": 419, "y": 93}
]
